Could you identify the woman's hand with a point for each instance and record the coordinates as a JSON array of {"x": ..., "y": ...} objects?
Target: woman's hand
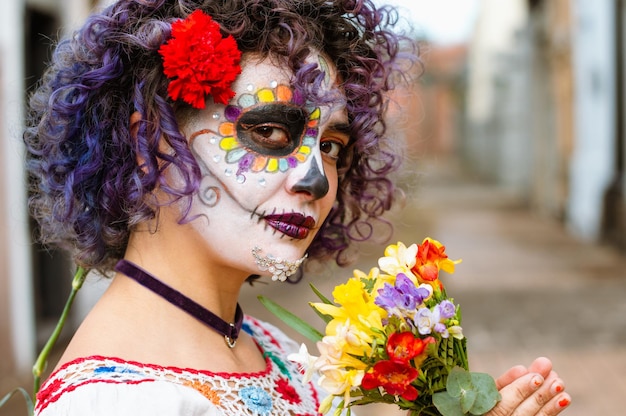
[{"x": 536, "y": 390}]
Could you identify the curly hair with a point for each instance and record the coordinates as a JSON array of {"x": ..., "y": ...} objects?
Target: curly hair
[{"x": 88, "y": 191}]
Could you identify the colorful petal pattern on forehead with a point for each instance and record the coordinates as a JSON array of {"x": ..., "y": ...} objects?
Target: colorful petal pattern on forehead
[{"x": 248, "y": 160}]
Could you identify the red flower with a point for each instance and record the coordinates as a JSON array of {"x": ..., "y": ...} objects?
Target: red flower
[
  {"x": 429, "y": 255},
  {"x": 287, "y": 391},
  {"x": 394, "y": 378},
  {"x": 199, "y": 61},
  {"x": 404, "y": 346}
]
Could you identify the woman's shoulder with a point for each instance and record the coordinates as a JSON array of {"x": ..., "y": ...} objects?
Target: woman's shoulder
[{"x": 105, "y": 385}]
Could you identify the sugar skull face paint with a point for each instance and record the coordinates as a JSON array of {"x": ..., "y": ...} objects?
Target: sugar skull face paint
[
  {"x": 269, "y": 168},
  {"x": 269, "y": 131}
]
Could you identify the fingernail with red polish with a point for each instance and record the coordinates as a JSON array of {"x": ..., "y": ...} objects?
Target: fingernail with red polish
[
  {"x": 537, "y": 381},
  {"x": 564, "y": 402},
  {"x": 557, "y": 387}
]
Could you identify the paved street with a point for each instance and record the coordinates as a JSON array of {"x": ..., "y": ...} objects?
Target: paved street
[{"x": 526, "y": 287}]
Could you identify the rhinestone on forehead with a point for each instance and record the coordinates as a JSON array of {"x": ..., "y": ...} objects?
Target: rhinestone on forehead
[{"x": 249, "y": 161}]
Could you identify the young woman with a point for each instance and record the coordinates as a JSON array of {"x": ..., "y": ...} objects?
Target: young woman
[{"x": 187, "y": 146}]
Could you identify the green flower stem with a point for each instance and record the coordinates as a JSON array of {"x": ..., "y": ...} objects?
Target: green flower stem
[{"x": 42, "y": 359}]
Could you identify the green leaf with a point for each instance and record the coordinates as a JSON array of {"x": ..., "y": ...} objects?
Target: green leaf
[
  {"x": 29, "y": 402},
  {"x": 458, "y": 381},
  {"x": 468, "y": 397},
  {"x": 368, "y": 284},
  {"x": 487, "y": 393},
  {"x": 320, "y": 295},
  {"x": 447, "y": 405},
  {"x": 324, "y": 299},
  {"x": 292, "y": 320},
  {"x": 323, "y": 316}
]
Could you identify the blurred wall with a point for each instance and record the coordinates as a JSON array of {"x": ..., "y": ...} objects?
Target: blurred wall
[
  {"x": 497, "y": 93},
  {"x": 17, "y": 322},
  {"x": 28, "y": 29},
  {"x": 593, "y": 161},
  {"x": 543, "y": 109}
]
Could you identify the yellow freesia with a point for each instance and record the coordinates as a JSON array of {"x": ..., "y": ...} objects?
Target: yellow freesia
[
  {"x": 354, "y": 304},
  {"x": 332, "y": 356},
  {"x": 354, "y": 339},
  {"x": 340, "y": 382},
  {"x": 377, "y": 277},
  {"x": 352, "y": 295}
]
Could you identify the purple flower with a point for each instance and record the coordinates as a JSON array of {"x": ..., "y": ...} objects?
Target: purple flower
[
  {"x": 405, "y": 286},
  {"x": 387, "y": 297},
  {"x": 403, "y": 297},
  {"x": 441, "y": 328},
  {"x": 446, "y": 309}
]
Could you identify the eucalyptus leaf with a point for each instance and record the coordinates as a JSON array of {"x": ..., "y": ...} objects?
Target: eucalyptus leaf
[
  {"x": 459, "y": 380},
  {"x": 488, "y": 394},
  {"x": 292, "y": 320},
  {"x": 468, "y": 398},
  {"x": 447, "y": 405}
]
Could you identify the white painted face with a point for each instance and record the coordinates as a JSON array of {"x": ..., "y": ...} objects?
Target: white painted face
[{"x": 269, "y": 166}]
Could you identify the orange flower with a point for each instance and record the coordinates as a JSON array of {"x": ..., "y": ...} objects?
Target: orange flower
[
  {"x": 402, "y": 347},
  {"x": 394, "y": 378},
  {"x": 431, "y": 257}
]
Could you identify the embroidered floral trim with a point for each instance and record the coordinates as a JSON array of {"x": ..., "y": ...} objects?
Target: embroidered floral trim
[
  {"x": 199, "y": 61},
  {"x": 256, "y": 399},
  {"x": 275, "y": 390},
  {"x": 287, "y": 391},
  {"x": 206, "y": 390}
]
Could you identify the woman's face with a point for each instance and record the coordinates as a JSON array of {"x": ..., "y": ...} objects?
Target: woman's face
[{"x": 269, "y": 167}]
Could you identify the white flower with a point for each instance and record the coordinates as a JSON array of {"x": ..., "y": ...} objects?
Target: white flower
[
  {"x": 305, "y": 361},
  {"x": 398, "y": 259},
  {"x": 426, "y": 320},
  {"x": 456, "y": 331}
]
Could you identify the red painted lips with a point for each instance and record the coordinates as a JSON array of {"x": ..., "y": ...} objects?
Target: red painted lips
[{"x": 294, "y": 225}]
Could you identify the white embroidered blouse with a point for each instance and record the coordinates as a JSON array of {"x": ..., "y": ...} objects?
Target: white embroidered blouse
[{"x": 111, "y": 386}]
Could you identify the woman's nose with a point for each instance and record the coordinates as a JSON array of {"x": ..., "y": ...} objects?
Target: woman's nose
[{"x": 314, "y": 182}]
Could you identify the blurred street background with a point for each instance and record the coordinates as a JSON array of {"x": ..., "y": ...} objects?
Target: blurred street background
[{"x": 515, "y": 158}]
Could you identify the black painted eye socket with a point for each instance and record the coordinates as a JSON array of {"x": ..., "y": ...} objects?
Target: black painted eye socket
[{"x": 273, "y": 129}]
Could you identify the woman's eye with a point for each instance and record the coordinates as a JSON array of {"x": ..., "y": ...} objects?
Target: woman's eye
[
  {"x": 270, "y": 136},
  {"x": 271, "y": 129},
  {"x": 332, "y": 148}
]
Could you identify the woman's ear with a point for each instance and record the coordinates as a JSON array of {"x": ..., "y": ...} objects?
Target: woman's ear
[{"x": 135, "y": 118}]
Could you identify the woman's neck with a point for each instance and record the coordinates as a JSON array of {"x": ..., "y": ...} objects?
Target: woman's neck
[{"x": 186, "y": 265}]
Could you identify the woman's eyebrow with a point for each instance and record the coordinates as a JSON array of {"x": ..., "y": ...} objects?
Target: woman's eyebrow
[{"x": 339, "y": 127}]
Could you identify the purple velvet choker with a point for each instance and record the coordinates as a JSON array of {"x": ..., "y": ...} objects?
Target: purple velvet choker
[{"x": 230, "y": 331}]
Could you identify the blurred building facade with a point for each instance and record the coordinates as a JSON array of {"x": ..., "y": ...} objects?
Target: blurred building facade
[
  {"x": 545, "y": 109},
  {"x": 28, "y": 301}
]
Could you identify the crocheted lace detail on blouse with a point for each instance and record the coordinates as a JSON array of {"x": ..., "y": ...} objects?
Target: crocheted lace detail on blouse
[{"x": 276, "y": 391}]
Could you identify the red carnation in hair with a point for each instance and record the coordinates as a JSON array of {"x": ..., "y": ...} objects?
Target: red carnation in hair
[{"x": 199, "y": 61}]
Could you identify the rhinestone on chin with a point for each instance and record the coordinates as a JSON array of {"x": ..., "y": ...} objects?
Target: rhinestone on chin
[{"x": 279, "y": 268}]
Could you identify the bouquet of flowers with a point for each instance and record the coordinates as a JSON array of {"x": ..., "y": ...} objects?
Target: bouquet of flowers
[{"x": 393, "y": 336}]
